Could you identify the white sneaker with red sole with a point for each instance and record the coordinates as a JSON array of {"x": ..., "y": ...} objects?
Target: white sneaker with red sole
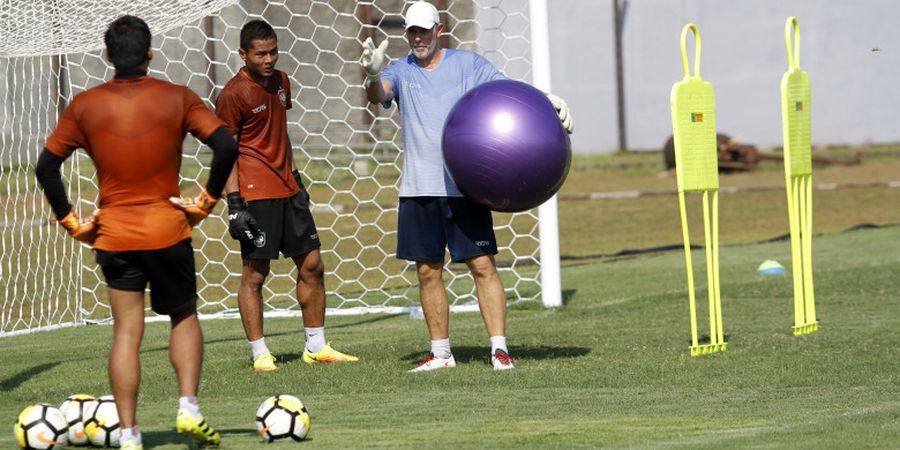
[
  {"x": 433, "y": 363},
  {"x": 502, "y": 361}
]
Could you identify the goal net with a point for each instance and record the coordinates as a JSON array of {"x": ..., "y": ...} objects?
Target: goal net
[{"x": 348, "y": 151}]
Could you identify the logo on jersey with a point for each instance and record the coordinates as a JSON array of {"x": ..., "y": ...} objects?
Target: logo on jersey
[
  {"x": 259, "y": 109},
  {"x": 283, "y": 97},
  {"x": 260, "y": 240}
]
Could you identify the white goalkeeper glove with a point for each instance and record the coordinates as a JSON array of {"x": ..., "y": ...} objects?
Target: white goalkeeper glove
[
  {"x": 562, "y": 110},
  {"x": 373, "y": 57}
]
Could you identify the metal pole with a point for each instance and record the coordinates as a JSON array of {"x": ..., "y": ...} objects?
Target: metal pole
[
  {"x": 548, "y": 220},
  {"x": 620, "y": 81}
]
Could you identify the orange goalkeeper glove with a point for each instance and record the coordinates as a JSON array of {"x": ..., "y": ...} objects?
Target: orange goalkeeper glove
[
  {"x": 196, "y": 208},
  {"x": 83, "y": 230}
]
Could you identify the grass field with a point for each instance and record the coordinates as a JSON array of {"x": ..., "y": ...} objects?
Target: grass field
[
  {"x": 608, "y": 369},
  {"x": 756, "y": 212}
]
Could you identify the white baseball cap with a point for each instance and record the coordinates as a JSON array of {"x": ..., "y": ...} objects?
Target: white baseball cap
[{"x": 422, "y": 14}]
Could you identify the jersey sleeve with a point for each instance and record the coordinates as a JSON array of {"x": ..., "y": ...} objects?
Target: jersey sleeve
[
  {"x": 228, "y": 108},
  {"x": 485, "y": 71},
  {"x": 68, "y": 136},
  {"x": 199, "y": 120}
]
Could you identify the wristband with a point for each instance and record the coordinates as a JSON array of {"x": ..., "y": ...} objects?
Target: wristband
[{"x": 236, "y": 202}]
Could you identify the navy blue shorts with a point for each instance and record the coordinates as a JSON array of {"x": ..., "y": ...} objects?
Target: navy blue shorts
[
  {"x": 287, "y": 226},
  {"x": 170, "y": 272},
  {"x": 428, "y": 225}
]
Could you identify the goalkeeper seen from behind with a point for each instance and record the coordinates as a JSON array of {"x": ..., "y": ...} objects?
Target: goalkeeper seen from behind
[
  {"x": 268, "y": 207},
  {"x": 132, "y": 127}
]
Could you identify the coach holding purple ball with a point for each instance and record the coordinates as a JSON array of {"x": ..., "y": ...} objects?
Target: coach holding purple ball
[{"x": 433, "y": 213}]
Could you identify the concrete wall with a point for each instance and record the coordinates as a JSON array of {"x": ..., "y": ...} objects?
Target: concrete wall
[{"x": 743, "y": 56}]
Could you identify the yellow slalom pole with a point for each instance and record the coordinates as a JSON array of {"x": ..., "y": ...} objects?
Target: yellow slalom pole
[
  {"x": 692, "y": 303},
  {"x": 710, "y": 271},
  {"x": 696, "y": 168},
  {"x": 807, "y": 258},
  {"x": 793, "y": 196},
  {"x": 795, "y": 116},
  {"x": 720, "y": 329}
]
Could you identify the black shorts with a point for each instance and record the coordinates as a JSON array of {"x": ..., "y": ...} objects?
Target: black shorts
[
  {"x": 287, "y": 226},
  {"x": 428, "y": 225},
  {"x": 170, "y": 272}
]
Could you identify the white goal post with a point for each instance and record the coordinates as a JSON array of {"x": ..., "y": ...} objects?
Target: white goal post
[{"x": 348, "y": 151}]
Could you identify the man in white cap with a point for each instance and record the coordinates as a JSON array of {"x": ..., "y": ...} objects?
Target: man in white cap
[{"x": 433, "y": 213}]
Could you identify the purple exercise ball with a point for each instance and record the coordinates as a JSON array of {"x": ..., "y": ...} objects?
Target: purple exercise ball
[{"x": 505, "y": 147}]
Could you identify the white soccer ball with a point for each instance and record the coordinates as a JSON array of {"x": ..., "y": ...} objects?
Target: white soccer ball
[
  {"x": 282, "y": 417},
  {"x": 101, "y": 423},
  {"x": 74, "y": 409},
  {"x": 41, "y": 427}
]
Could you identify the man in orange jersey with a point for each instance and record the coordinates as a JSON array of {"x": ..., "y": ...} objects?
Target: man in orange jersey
[
  {"x": 132, "y": 127},
  {"x": 268, "y": 207}
]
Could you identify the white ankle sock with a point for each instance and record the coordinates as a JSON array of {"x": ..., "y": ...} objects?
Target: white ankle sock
[
  {"x": 130, "y": 435},
  {"x": 498, "y": 343},
  {"x": 190, "y": 404},
  {"x": 315, "y": 339},
  {"x": 258, "y": 347},
  {"x": 440, "y": 348}
]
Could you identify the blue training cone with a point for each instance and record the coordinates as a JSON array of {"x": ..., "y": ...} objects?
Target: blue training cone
[{"x": 770, "y": 267}]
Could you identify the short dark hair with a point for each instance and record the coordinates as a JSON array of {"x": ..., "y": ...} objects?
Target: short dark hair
[
  {"x": 256, "y": 29},
  {"x": 127, "y": 41}
]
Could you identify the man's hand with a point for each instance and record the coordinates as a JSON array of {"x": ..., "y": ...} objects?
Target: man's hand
[
  {"x": 83, "y": 230},
  {"x": 196, "y": 208},
  {"x": 241, "y": 224},
  {"x": 373, "y": 57},
  {"x": 562, "y": 110}
]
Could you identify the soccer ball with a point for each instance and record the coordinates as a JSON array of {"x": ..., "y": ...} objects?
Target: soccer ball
[
  {"x": 41, "y": 426},
  {"x": 282, "y": 417},
  {"x": 74, "y": 409},
  {"x": 101, "y": 423}
]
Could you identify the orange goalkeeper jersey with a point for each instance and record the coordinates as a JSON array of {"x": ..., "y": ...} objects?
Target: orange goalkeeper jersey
[
  {"x": 133, "y": 130},
  {"x": 257, "y": 115}
]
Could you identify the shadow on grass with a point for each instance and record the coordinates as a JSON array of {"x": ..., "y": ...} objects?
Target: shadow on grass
[
  {"x": 251, "y": 432},
  {"x": 468, "y": 354},
  {"x": 371, "y": 319},
  {"x": 703, "y": 339},
  {"x": 25, "y": 375},
  {"x": 285, "y": 358},
  {"x": 568, "y": 295},
  {"x": 154, "y": 439}
]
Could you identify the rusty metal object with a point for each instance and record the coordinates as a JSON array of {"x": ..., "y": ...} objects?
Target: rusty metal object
[
  {"x": 736, "y": 157},
  {"x": 820, "y": 160},
  {"x": 732, "y": 156}
]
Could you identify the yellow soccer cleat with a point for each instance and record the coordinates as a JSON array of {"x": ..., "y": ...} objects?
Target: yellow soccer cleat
[
  {"x": 264, "y": 363},
  {"x": 197, "y": 428},
  {"x": 328, "y": 355},
  {"x": 129, "y": 445}
]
